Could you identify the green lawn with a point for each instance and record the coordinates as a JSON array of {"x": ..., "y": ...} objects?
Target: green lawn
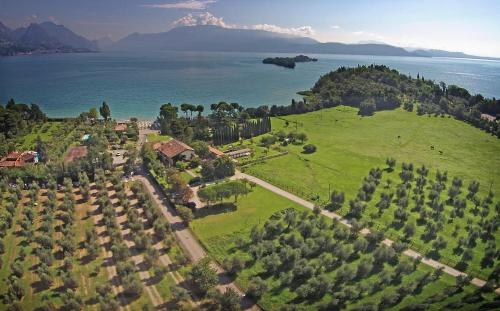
[
  {"x": 155, "y": 138},
  {"x": 186, "y": 176},
  {"x": 219, "y": 232},
  {"x": 350, "y": 145}
]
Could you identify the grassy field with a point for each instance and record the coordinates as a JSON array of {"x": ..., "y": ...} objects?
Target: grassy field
[
  {"x": 219, "y": 231},
  {"x": 350, "y": 145},
  {"x": 155, "y": 138}
]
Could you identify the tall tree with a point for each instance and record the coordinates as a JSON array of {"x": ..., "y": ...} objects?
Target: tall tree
[
  {"x": 105, "y": 111},
  {"x": 93, "y": 113},
  {"x": 41, "y": 149},
  {"x": 200, "y": 109}
]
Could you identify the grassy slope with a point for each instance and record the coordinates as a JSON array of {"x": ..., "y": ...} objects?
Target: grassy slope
[
  {"x": 349, "y": 145},
  {"x": 45, "y": 131}
]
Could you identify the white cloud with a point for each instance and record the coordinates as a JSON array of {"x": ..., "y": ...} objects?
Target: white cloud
[
  {"x": 209, "y": 19},
  {"x": 53, "y": 19},
  {"x": 303, "y": 31},
  {"x": 358, "y": 33},
  {"x": 201, "y": 19},
  {"x": 335, "y": 27},
  {"x": 186, "y": 4}
]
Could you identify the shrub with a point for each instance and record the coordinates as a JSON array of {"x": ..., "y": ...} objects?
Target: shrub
[
  {"x": 367, "y": 107},
  {"x": 257, "y": 287},
  {"x": 309, "y": 148},
  {"x": 185, "y": 214}
]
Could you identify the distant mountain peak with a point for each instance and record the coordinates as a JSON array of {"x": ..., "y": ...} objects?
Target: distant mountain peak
[{"x": 44, "y": 37}]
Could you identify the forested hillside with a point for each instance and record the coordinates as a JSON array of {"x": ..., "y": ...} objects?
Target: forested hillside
[{"x": 377, "y": 87}]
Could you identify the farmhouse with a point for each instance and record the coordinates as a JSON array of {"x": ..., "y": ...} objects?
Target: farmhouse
[
  {"x": 173, "y": 150},
  {"x": 19, "y": 159},
  {"x": 75, "y": 153},
  {"x": 239, "y": 153}
]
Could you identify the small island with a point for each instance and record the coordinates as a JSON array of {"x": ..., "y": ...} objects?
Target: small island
[{"x": 288, "y": 62}]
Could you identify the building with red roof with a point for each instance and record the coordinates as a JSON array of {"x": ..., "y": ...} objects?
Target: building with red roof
[
  {"x": 19, "y": 159},
  {"x": 174, "y": 150},
  {"x": 216, "y": 153}
]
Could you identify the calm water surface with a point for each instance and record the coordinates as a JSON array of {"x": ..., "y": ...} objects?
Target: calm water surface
[{"x": 136, "y": 84}]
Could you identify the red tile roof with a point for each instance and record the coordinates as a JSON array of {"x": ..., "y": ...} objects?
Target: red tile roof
[
  {"x": 215, "y": 151},
  {"x": 18, "y": 159},
  {"x": 172, "y": 148}
]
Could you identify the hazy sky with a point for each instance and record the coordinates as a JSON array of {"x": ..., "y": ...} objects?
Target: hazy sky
[{"x": 460, "y": 25}]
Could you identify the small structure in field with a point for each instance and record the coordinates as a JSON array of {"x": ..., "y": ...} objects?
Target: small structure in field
[
  {"x": 214, "y": 152},
  {"x": 173, "y": 151},
  {"x": 239, "y": 153},
  {"x": 75, "y": 153},
  {"x": 19, "y": 159}
]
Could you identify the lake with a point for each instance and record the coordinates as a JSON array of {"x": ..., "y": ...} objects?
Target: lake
[{"x": 137, "y": 84}]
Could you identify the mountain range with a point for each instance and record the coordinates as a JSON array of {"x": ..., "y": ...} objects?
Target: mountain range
[
  {"x": 214, "y": 38},
  {"x": 48, "y": 37}
]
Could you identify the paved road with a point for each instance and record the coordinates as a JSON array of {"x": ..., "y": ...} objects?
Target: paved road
[
  {"x": 410, "y": 253},
  {"x": 188, "y": 241}
]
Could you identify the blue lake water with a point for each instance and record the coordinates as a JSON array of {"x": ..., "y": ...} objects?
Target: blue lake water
[{"x": 136, "y": 84}]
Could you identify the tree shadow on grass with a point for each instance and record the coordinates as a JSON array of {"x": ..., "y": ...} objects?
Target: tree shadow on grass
[
  {"x": 216, "y": 209},
  {"x": 39, "y": 286}
]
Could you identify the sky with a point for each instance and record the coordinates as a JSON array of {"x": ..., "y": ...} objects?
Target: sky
[{"x": 461, "y": 25}]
